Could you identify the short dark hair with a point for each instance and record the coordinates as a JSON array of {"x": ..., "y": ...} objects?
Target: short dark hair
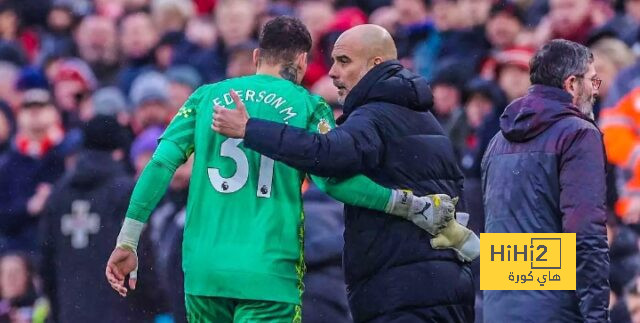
[
  {"x": 557, "y": 60},
  {"x": 282, "y": 39}
]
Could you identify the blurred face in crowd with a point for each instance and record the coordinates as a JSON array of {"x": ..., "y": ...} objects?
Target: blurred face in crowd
[
  {"x": 4, "y": 129},
  {"x": 135, "y": 5},
  {"x": 411, "y": 11},
  {"x": 96, "y": 38},
  {"x": 109, "y": 8},
  {"x": 59, "y": 19},
  {"x": 178, "y": 95},
  {"x": 8, "y": 92},
  {"x": 316, "y": 15},
  {"x": 36, "y": 121},
  {"x": 8, "y": 25},
  {"x": 152, "y": 113},
  {"x": 241, "y": 64},
  {"x": 163, "y": 56},
  {"x": 477, "y": 109},
  {"x": 475, "y": 11},
  {"x": 69, "y": 94},
  {"x": 514, "y": 80},
  {"x": 607, "y": 71},
  {"x": 446, "y": 15},
  {"x": 201, "y": 32},
  {"x": 502, "y": 30},
  {"x": 583, "y": 89},
  {"x": 386, "y": 17},
  {"x": 235, "y": 21},
  {"x": 566, "y": 15},
  {"x": 137, "y": 35},
  {"x": 632, "y": 8},
  {"x": 446, "y": 98},
  {"x": 14, "y": 277}
]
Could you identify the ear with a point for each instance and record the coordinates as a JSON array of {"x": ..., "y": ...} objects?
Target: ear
[
  {"x": 256, "y": 56},
  {"x": 377, "y": 60},
  {"x": 302, "y": 60},
  {"x": 569, "y": 84}
]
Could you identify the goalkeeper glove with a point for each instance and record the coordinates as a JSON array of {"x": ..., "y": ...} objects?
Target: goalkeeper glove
[
  {"x": 457, "y": 237},
  {"x": 430, "y": 212}
]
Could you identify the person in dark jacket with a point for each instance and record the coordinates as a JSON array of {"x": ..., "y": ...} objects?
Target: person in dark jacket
[
  {"x": 391, "y": 269},
  {"x": 544, "y": 172},
  {"x": 34, "y": 160},
  {"x": 82, "y": 216}
]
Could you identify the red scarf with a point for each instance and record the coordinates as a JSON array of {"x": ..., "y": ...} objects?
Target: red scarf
[{"x": 38, "y": 148}]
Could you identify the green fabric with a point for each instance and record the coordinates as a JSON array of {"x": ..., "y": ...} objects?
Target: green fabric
[
  {"x": 243, "y": 234},
  {"x": 207, "y": 309}
]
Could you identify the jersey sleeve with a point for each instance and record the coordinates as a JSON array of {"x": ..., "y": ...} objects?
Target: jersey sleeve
[
  {"x": 358, "y": 190},
  {"x": 321, "y": 118},
  {"x": 182, "y": 128}
]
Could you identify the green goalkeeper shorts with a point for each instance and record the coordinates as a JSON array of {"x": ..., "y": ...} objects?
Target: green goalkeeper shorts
[{"x": 205, "y": 309}]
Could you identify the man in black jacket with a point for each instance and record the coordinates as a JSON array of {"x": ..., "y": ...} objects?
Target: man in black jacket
[
  {"x": 83, "y": 214},
  {"x": 392, "y": 271},
  {"x": 544, "y": 172}
]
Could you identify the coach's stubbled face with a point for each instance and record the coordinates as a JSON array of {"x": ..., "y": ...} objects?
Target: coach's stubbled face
[
  {"x": 587, "y": 92},
  {"x": 350, "y": 64}
]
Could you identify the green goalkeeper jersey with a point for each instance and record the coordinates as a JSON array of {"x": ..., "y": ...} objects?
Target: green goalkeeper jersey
[{"x": 243, "y": 235}]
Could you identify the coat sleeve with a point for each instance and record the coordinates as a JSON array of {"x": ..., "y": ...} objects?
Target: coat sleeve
[
  {"x": 352, "y": 148},
  {"x": 582, "y": 202}
]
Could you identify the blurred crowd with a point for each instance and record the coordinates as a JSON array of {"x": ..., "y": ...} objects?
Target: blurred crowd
[{"x": 87, "y": 86}]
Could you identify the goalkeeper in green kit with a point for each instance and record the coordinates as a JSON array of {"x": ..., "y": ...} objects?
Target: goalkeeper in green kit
[{"x": 243, "y": 236}]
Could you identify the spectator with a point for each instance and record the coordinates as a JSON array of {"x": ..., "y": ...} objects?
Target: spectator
[
  {"x": 171, "y": 15},
  {"x": 572, "y": 19},
  {"x": 552, "y": 125},
  {"x": 72, "y": 87},
  {"x": 11, "y": 37},
  {"x": 504, "y": 25},
  {"x": 110, "y": 101},
  {"x": 164, "y": 53},
  {"x": 447, "y": 86},
  {"x": 183, "y": 80},
  {"x": 138, "y": 38},
  {"x": 58, "y": 39},
  {"x": 20, "y": 301},
  {"x": 235, "y": 21},
  {"x": 97, "y": 44},
  {"x": 151, "y": 102},
  {"x": 108, "y": 8},
  {"x": 512, "y": 71},
  {"x": 7, "y": 126},
  {"x": 476, "y": 12},
  {"x": 83, "y": 215},
  {"x": 321, "y": 56},
  {"x": 611, "y": 56},
  {"x": 619, "y": 126},
  {"x": 8, "y": 91},
  {"x": 143, "y": 147},
  {"x": 484, "y": 102},
  {"x": 202, "y": 32},
  {"x": 240, "y": 62},
  {"x": 460, "y": 41},
  {"x": 34, "y": 161}
]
